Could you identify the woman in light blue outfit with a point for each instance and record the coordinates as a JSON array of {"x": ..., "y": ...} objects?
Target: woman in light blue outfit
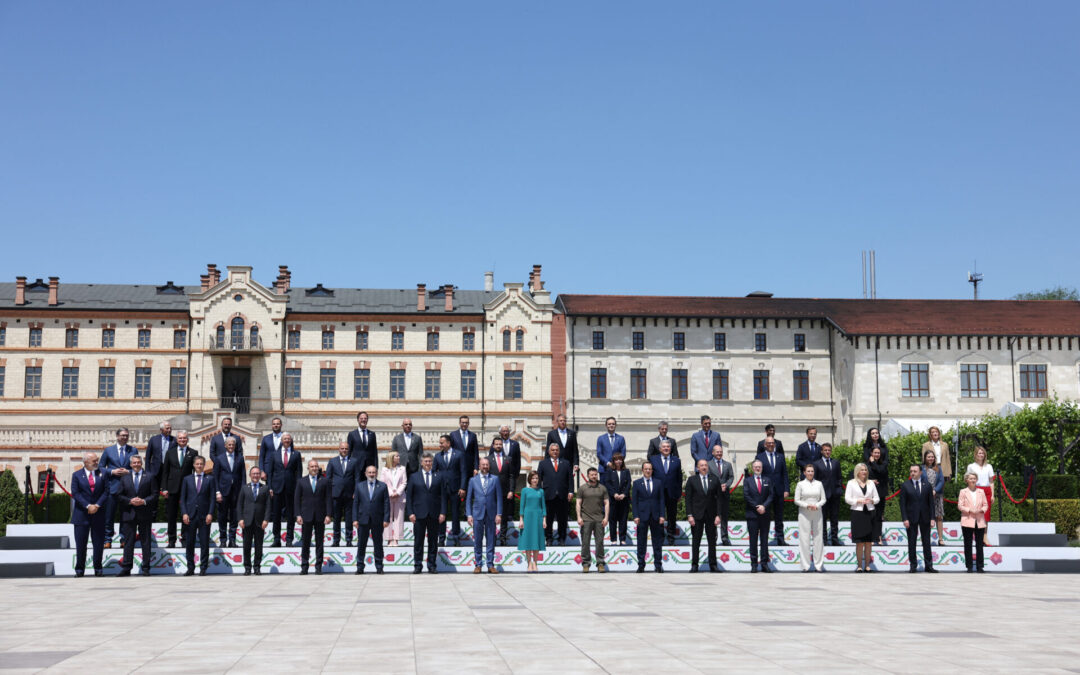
[{"x": 533, "y": 520}]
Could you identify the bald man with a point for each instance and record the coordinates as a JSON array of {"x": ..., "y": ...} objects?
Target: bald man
[{"x": 89, "y": 491}]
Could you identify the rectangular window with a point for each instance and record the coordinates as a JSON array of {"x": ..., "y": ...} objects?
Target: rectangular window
[
  {"x": 144, "y": 338},
  {"x": 397, "y": 383},
  {"x": 468, "y": 342},
  {"x": 397, "y": 341},
  {"x": 71, "y": 338},
  {"x": 598, "y": 383},
  {"x": 3, "y": 376},
  {"x": 760, "y": 343},
  {"x": 679, "y": 342},
  {"x": 639, "y": 341},
  {"x": 3, "y": 335},
  {"x": 294, "y": 340},
  {"x": 177, "y": 382},
  {"x": 1033, "y": 381},
  {"x": 974, "y": 382},
  {"x": 142, "y": 382},
  {"x": 292, "y": 383},
  {"x": 679, "y": 384},
  {"x": 720, "y": 342},
  {"x": 513, "y": 381},
  {"x": 327, "y": 382},
  {"x": 720, "y": 385},
  {"x": 468, "y": 384},
  {"x": 361, "y": 383},
  {"x": 915, "y": 380},
  {"x": 432, "y": 383},
  {"x": 433, "y": 342},
  {"x": 800, "y": 342},
  {"x": 108, "y": 338},
  {"x": 598, "y": 339},
  {"x": 361, "y": 341},
  {"x": 801, "y": 385},
  {"x": 106, "y": 382},
  {"x": 69, "y": 387},
  {"x": 506, "y": 340},
  {"x": 328, "y": 339},
  {"x": 35, "y": 337},
  {"x": 179, "y": 339},
  {"x": 519, "y": 340},
  {"x": 761, "y": 385},
  {"x": 638, "y": 383},
  {"x": 32, "y": 387}
]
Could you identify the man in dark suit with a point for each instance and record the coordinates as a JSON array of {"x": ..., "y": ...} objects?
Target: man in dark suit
[
  {"x": 465, "y": 442},
  {"x": 409, "y": 447},
  {"x": 179, "y": 463},
  {"x": 703, "y": 512},
  {"x": 917, "y": 510},
  {"x": 342, "y": 474},
  {"x": 312, "y": 506},
  {"x": 228, "y": 477},
  {"x": 557, "y": 482},
  {"x": 661, "y": 436},
  {"x": 809, "y": 452},
  {"x": 198, "y": 505},
  {"x": 505, "y": 461},
  {"x": 424, "y": 509},
  {"x": 362, "y": 444},
  {"x": 770, "y": 432},
  {"x": 89, "y": 492},
  {"x": 450, "y": 464},
  {"x": 138, "y": 506},
  {"x": 115, "y": 464},
  {"x": 647, "y": 499},
  {"x": 253, "y": 507},
  {"x": 774, "y": 467},
  {"x": 217, "y": 442},
  {"x": 702, "y": 442},
  {"x": 567, "y": 440},
  {"x": 607, "y": 444},
  {"x": 828, "y": 471},
  {"x": 285, "y": 470},
  {"x": 668, "y": 470},
  {"x": 270, "y": 444},
  {"x": 157, "y": 448},
  {"x": 721, "y": 470},
  {"x": 371, "y": 514},
  {"x": 758, "y": 494}
]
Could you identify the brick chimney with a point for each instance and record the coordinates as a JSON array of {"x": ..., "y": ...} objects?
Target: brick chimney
[
  {"x": 534, "y": 279},
  {"x": 214, "y": 273},
  {"x": 284, "y": 279},
  {"x": 421, "y": 297},
  {"x": 448, "y": 289},
  {"x": 54, "y": 291},
  {"x": 204, "y": 281},
  {"x": 20, "y": 290}
]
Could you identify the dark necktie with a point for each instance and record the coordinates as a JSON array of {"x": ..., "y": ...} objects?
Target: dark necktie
[{"x": 198, "y": 483}]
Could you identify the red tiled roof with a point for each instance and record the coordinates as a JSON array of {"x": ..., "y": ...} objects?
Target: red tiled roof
[{"x": 853, "y": 317}]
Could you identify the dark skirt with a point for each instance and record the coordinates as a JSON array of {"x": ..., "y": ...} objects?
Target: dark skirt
[{"x": 862, "y": 527}]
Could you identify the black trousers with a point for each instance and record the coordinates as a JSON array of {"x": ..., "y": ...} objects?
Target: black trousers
[
  {"x": 95, "y": 531},
  {"x": 758, "y": 525},
  {"x": 644, "y": 529},
  {"x": 282, "y": 507},
  {"x": 318, "y": 527},
  {"x": 831, "y": 515},
  {"x": 557, "y": 509},
  {"x": 453, "y": 512},
  {"x": 915, "y": 529},
  {"x": 778, "y": 513},
  {"x": 620, "y": 511},
  {"x": 343, "y": 511},
  {"x": 725, "y": 506},
  {"x": 362, "y": 533},
  {"x": 144, "y": 530},
  {"x": 429, "y": 529},
  {"x": 973, "y": 535},
  {"x": 111, "y": 503},
  {"x": 709, "y": 527},
  {"x": 671, "y": 506},
  {"x": 228, "y": 517},
  {"x": 172, "y": 514},
  {"x": 198, "y": 527},
  {"x": 253, "y": 536}
]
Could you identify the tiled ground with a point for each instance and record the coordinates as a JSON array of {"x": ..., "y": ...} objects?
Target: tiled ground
[{"x": 558, "y": 623}]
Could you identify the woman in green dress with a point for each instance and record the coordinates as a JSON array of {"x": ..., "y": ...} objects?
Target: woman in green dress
[{"x": 533, "y": 520}]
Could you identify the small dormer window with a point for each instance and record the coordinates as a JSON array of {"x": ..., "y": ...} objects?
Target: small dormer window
[
  {"x": 170, "y": 289},
  {"x": 319, "y": 292}
]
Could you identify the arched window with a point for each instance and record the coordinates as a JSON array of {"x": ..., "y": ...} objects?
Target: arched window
[
  {"x": 236, "y": 334},
  {"x": 506, "y": 340},
  {"x": 219, "y": 340},
  {"x": 254, "y": 332},
  {"x": 519, "y": 340}
]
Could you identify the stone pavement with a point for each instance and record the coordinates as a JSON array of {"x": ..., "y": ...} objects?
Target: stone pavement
[{"x": 544, "y": 623}]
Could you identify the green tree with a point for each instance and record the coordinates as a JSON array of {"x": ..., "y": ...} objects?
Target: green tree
[
  {"x": 1055, "y": 293},
  {"x": 11, "y": 501}
]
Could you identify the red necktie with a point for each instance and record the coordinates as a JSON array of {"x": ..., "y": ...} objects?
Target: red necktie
[
  {"x": 498, "y": 458},
  {"x": 759, "y": 484},
  {"x": 284, "y": 458},
  {"x": 90, "y": 477},
  {"x": 556, "y": 464}
]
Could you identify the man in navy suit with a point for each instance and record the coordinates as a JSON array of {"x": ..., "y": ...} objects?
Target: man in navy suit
[
  {"x": 285, "y": 470},
  {"x": 483, "y": 508},
  {"x": 557, "y": 482},
  {"x": 198, "y": 505},
  {"x": 138, "y": 506},
  {"x": 341, "y": 471},
  {"x": 157, "y": 448},
  {"x": 179, "y": 463},
  {"x": 228, "y": 477},
  {"x": 774, "y": 467},
  {"x": 808, "y": 452},
  {"x": 115, "y": 463},
  {"x": 312, "y": 506},
  {"x": 828, "y": 471},
  {"x": 505, "y": 464},
  {"x": 217, "y": 442},
  {"x": 362, "y": 444},
  {"x": 647, "y": 499},
  {"x": 567, "y": 440},
  {"x": 270, "y": 444},
  {"x": 424, "y": 508},
  {"x": 668, "y": 470},
  {"x": 607, "y": 444},
  {"x": 371, "y": 514},
  {"x": 702, "y": 442},
  {"x": 917, "y": 510},
  {"x": 450, "y": 464},
  {"x": 89, "y": 492},
  {"x": 758, "y": 494},
  {"x": 465, "y": 442}
]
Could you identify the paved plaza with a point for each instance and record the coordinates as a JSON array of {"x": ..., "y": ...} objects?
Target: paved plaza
[{"x": 544, "y": 623}]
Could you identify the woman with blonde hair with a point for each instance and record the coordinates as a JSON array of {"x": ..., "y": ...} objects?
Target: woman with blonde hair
[
  {"x": 984, "y": 474},
  {"x": 861, "y": 496},
  {"x": 393, "y": 474},
  {"x": 941, "y": 451},
  {"x": 973, "y": 509}
]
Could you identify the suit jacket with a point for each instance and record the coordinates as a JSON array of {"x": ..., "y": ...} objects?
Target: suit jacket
[
  {"x": 373, "y": 510},
  {"x": 422, "y": 502},
  {"x": 556, "y": 484},
  {"x": 266, "y": 448},
  {"x": 217, "y": 446},
  {"x": 175, "y": 470},
  {"x": 654, "y": 446},
  {"x": 702, "y": 504},
  {"x": 945, "y": 461},
  {"x": 226, "y": 480},
  {"x": 312, "y": 505},
  {"x": 761, "y": 445},
  {"x": 484, "y": 504},
  {"x": 156, "y": 449},
  {"x": 804, "y": 456},
  {"x": 368, "y": 453},
  {"x": 605, "y": 449},
  {"x": 456, "y": 475},
  {"x": 110, "y": 459},
  {"x": 670, "y": 480},
  {"x": 252, "y": 510},
  {"x": 281, "y": 478},
  {"x": 647, "y": 506},
  {"x": 617, "y": 483},
  {"x": 916, "y": 506},
  {"x": 511, "y": 468},
  {"x": 701, "y": 446},
  {"x": 972, "y": 507},
  {"x": 754, "y": 498},
  {"x": 144, "y": 513},
  {"x": 832, "y": 481},
  {"x": 725, "y": 473},
  {"x": 777, "y": 474},
  {"x": 409, "y": 452},
  {"x": 342, "y": 483},
  {"x": 198, "y": 504},
  {"x": 569, "y": 450},
  {"x": 470, "y": 450},
  {"x": 83, "y": 496}
]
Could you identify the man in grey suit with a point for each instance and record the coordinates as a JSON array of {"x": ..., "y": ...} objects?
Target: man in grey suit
[
  {"x": 721, "y": 469},
  {"x": 342, "y": 471},
  {"x": 483, "y": 508},
  {"x": 251, "y": 507},
  {"x": 408, "y": 446},
  {"x": 654, "y": 443}
]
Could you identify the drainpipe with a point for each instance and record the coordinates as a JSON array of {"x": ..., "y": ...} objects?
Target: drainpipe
[{"x": 877, "y": 380}]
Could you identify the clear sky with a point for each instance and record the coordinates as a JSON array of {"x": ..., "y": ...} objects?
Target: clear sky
[{"x": 706, "y": 148}]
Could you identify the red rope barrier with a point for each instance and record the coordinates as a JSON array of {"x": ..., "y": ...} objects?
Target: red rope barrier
[
  {"x": 60, "y": 485},
  {"x": 892, "y": 495},
  {"x": 1022, "y": 499},
  {"x": 737, "y": 483},
  {"x": 44, "y": 490}
]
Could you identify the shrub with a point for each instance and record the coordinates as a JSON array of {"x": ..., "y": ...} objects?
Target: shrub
[{"x": 12, "y": 501}]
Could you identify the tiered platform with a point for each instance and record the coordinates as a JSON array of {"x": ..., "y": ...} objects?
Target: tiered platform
[{"x": 47, "y": 550}]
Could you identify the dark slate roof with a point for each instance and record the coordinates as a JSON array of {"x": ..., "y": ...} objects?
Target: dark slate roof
[
  {"x": 386, "y": 301},
  {"x": 114, "y": 297}
]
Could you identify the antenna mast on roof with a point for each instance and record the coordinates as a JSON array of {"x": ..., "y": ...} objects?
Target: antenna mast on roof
[
  {"x": 871, "y": 258},
  {"x": 974, "y": 278}
]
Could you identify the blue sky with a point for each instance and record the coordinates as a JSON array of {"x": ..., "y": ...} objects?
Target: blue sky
[{"x": 657, "y": 148}]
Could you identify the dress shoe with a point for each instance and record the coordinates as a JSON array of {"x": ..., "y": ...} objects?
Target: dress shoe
[
  {"x": 257, "y": 572},
  {"x": 714, "y": 568},
  {"x": 693, "y": 569},
  {"x": 418, "y": 570},
  {"x": 585, "y": 568},
  {"x": 753, "y": 569},
  {"x": 766, "y": 569},
  {"x": 360, "y": 570},
  {"x": 492, "y": 570},
  {"x": 970, "y": 570},
  {"x": 172, "y": 544},
  {"x": 725, "y": 542},
  {"x": 318, "y": 570},
  {"x": 378, "y": 571},
  {"x": 79, "y": 573},
  {"x": 232, "y": 543},
  {"x": 640, "y": 569},
  {"x": 337, "y": 542},
  {"x": 433, "y": 570},
  {"x": 913, "y": 570},
  {"x": 124, "y": 573},
  {"x": 202, "y": 573},
  {"x": 476, "y": 570},
  {"x": 659, "y": 569},
  {"x": 189, "y": 573},
  {"x": 779, "y": 541},
  {"x": 247, "y": 573},
  {"x": 980, "y": 571},
  {"x": 303, "y": 570},
  {"x": 144, "y": 573},
  {"x": 601, "y": 568},
  {"x": 348, "y": 543},
  {"x": 931, "y": 570},
  {"x": 99, "y": 573},
  {"x": 835, "y": 542}
]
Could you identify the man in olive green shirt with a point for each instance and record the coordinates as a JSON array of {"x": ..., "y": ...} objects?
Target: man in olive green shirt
[{"x": 593, "y": 507}]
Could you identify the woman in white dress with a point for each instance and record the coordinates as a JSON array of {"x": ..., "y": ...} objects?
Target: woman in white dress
[
  {"x": 810, "y": 497},
  {"x": 984, "y": 472}
]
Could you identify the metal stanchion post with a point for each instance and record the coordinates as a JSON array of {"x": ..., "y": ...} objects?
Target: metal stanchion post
[
  {"x": 26, "y": 502},
  {"x": 45, "y": 493}
]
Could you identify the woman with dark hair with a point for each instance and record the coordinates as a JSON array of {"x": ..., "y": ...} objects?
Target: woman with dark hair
[
  {"x": 879, "y": 476},
  {"x": 617, "y": 482},
  {"x": 533, "y": 520},
  {"x": 874, "y": 440},
  {"x": 935, "y": 476}
]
